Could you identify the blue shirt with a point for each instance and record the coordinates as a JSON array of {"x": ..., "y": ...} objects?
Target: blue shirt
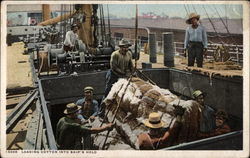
[
  {"x": 198, "y": 34},
  {"x": 207, "y": 122},
  {"x": 94, "y": 110}
]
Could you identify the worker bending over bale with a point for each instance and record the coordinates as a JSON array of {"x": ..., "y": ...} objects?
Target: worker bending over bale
[{"x": 121, "y": 65}]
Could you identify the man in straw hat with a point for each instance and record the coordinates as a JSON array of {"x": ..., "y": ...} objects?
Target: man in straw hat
[
  {"x": 157, "y": 138},
  {"x": 90, "y": 107},
  {"x": 69, "y": 132},
  {"x": 207, "y": 121},
  {"x": 195, "y": 41}
]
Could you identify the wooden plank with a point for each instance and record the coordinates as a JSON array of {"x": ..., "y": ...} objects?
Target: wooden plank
[
  {"x": 31, "y": 137},
  {"x": 40, "y": 134},
  {"x": 51, "y": 140},
  {"x": 44, "y": 140}
]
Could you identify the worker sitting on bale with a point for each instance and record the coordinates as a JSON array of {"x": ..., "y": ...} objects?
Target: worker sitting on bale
[
  {"x": 89, "y": 106},
  {"x": 121, "y": 67},
  {"x": 195, "y": 41},
  {"x": 207, "y": 120},
  {"x": 222, "y": 127},
  {"x": 157, "y": 138},
  {"x": 69, "y": 132},
  {"x": 71, "y": 38}
]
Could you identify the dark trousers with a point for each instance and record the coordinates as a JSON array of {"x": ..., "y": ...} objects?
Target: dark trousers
[
  {"x": 67, "y": 48},
  {"x": 111, "y": 78},
  {"x": 195, "y": 52}
]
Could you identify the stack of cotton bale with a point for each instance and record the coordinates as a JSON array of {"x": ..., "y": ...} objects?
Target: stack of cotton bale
[{"x": 139, "y": 99}]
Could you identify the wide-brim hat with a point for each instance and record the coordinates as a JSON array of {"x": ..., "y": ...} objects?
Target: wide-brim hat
[
  {"x": 88, "y": 89},
  {"x": 124, "y": 42},
  {"x": 154, "y": 121},
  {"x": 71, "y": 108},
  {"x": 197, "y": 93},
  {"x": 191, "y": 16}
]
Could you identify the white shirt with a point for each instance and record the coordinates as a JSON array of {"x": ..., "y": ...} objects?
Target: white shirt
[
  {"x": 196, "y": 35},
  {"x": 70, "y": 38}
]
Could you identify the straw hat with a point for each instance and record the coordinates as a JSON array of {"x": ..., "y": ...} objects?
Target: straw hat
[
  {"x": 191, "y": 16},
  {"x": 71, "y": 108},
  {"x": 197, "y": 93},
  {"x": 124, "y": 42},
  {"x": 88, "y": 89},
  {"x": 154, "y": 121}
]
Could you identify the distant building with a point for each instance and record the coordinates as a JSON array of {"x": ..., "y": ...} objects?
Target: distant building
[{"x": 125, "y": 28}]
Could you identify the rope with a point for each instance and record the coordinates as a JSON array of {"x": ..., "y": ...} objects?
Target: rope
[
  {"x": 43, "y": 56},
  {"x": 186, "y": 9},
  {"x": 229, "y": 34},
  {"x": 113, "y": 120}
]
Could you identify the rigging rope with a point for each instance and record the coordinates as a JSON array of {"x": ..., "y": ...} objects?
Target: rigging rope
[
  {"x": 229, "y": 34},
  {"x": 101, "y": 23},
  {"x": 186, "y": 10},
  {"x": 211, "y": 23}
]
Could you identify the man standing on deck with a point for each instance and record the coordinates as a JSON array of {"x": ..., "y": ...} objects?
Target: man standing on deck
[{"x": 195, "y": 41}]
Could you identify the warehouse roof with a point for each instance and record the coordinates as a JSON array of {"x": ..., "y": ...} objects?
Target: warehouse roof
[{"x": 235, "y": 26}]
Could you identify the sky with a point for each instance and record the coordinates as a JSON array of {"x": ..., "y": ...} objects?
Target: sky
[{"x": 175, "y": 10}]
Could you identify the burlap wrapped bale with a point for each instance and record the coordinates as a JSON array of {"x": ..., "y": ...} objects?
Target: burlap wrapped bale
[{"x": 140, "y": 99}]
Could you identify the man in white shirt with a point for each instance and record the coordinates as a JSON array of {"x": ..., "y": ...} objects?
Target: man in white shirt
[
  {"x": 195, "y": 41},
  {"x": 71, "y": 38}
]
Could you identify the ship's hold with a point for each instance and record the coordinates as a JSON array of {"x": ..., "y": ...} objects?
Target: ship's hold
[{"x": 140, "y": 99}]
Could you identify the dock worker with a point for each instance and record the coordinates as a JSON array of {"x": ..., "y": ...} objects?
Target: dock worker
[
  {"x": 157, "y": 138},
  {"x": 69, "y": 132},
  {"x": 207, "y": 120},
  {"x": 222, "y": 127},
  {"x": 195, "y": 43},
  {"x": 89, "y": 106},
  {"x": 71, "y": 38},
  {"x": 121, "y": 65}
]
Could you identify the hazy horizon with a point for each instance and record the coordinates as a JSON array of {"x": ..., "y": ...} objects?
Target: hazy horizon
[{"x": 175, "y": 10}]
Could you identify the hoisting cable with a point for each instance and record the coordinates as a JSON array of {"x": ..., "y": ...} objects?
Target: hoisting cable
[
  {"x": 118, "y": 106},
  {"x": 109, "y": 40},
  {"x": 211, "y": 22},
  {"x": 225, "y": 25},
  {"x": 186, "y": 9},
  {"x": 104, "y": 27},
  {"x": 136, "y": 41},
  {"x": 101, "y": 23},
  {"x": 109, "y": 108}
]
